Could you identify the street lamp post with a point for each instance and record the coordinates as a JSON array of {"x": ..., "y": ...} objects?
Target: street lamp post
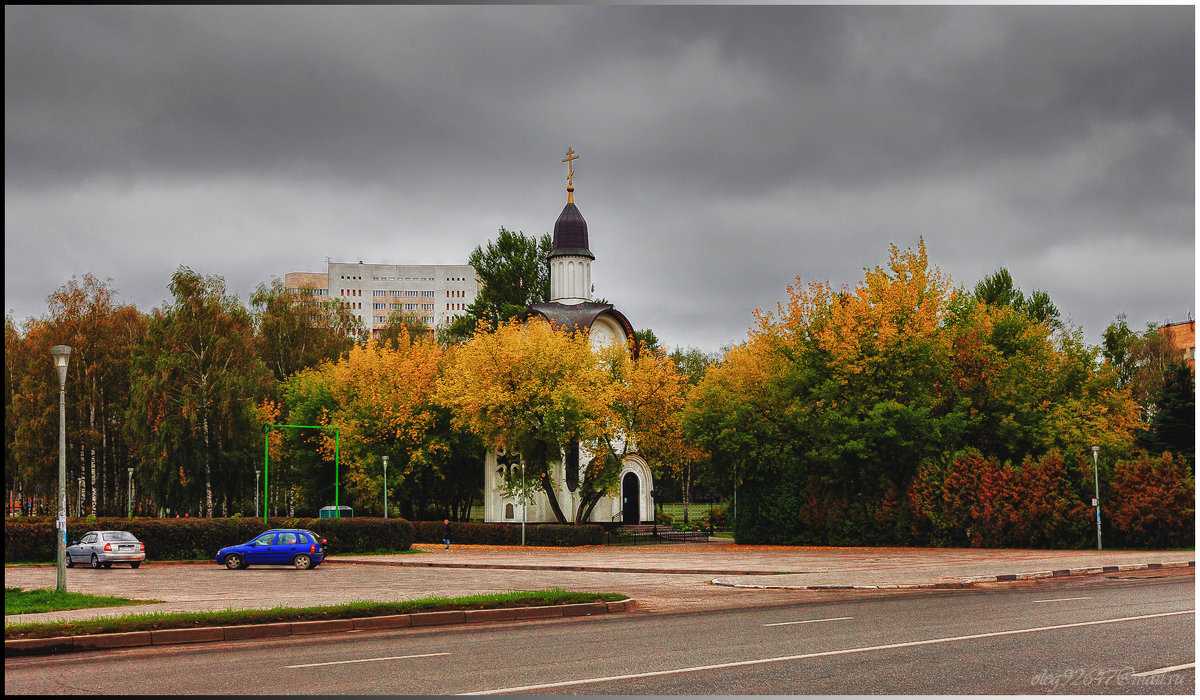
[
  {"x": 62, "y": 355},
  {"x": 1096, "y": 478},
  {"x": 79, "y": 503},
  {"x": 385, "y": 459},
  {"x": 524, "y": 499},
  {"x": 129, "y": 505},
  {"x": 257, "y": 473}
]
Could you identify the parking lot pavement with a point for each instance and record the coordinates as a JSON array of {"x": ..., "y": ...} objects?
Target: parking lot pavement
[{"x": 663, "y": 578}]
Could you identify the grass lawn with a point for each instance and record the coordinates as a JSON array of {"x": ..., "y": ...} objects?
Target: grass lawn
[
  {"x": 140, "y": 622},
  {"x": 39, "y": 600}
]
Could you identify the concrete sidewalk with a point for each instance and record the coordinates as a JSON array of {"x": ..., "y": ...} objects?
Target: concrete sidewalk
[{"x": 663, "y": 578}]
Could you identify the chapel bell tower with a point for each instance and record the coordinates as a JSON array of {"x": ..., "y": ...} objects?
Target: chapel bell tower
[{"x": 570, "y": 260}]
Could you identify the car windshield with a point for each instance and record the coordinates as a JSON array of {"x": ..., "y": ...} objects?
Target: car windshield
[{"x": 119, "y": 537}]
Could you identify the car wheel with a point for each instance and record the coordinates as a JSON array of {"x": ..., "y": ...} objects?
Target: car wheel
[
  {"x": 233, "y": 561},
  {"x": 302, "y": 561},
  {"x": 134, "y": 564},
  {"x": 70, "y": 564},
  {"x": 95, "y": 562}
]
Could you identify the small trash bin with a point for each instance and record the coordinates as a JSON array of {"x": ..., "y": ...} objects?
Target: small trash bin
[{"x": 337, "y": 512}]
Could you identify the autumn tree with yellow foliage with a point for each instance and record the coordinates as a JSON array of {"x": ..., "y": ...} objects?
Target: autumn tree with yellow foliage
[
  {"x": 381, "y": 396},
  {"x": 535, "y": 389}
]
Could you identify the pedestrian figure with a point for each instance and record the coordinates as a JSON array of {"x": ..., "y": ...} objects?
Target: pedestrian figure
[{"x": 446, "y": 532}]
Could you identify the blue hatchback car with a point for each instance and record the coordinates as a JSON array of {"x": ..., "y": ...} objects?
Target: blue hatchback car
[{"x": 302, "y": 549}]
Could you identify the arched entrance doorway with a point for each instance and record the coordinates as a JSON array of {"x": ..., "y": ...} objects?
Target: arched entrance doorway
[{"x": 630, "y": 512}]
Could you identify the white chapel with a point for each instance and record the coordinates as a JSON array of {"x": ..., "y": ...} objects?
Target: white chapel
[{"x": 571, "y": 306}]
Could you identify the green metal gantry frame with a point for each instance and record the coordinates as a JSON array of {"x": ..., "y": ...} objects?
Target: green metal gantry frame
[{"x": 337, "y": 438}]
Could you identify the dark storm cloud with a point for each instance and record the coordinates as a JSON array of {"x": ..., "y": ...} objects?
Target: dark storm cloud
[{"x": 726, "y": 150}]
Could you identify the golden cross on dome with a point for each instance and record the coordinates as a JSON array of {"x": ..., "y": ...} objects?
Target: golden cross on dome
[{"x": 571, "y": 156}]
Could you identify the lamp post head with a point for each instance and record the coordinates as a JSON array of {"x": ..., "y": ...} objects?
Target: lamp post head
[
  {"x": 385, "y": 459},
  {"x": 1095, "y": 449},
  {"x": 62, "y": 355}
]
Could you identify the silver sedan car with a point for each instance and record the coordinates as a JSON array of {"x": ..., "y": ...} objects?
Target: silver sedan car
[{"x": 105, "y": 548}]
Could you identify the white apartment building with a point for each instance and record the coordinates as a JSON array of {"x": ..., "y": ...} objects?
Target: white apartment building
[{"x": 437, "y": 294}]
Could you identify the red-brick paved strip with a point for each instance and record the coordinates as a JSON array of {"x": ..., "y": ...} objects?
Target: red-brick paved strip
[
  {"x": 60, "y": 645},
  {"x": 551, "y": 567}
]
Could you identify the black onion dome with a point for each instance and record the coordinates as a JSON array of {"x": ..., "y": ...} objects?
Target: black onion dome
[{"x": 571, "y": 234}]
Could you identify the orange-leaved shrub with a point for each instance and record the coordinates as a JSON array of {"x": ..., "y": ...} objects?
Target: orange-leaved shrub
[
  {"x": 1151, "y": 502},
  {"x": 981, "y": 502}
]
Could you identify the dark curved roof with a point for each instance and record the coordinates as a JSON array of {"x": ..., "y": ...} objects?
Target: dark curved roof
[
  {"x": 582, "y": 315},
  {"x": 571, "y": 234}
]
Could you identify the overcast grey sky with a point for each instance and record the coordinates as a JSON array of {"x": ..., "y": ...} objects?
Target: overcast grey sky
[{"x": 724, "y": 151}]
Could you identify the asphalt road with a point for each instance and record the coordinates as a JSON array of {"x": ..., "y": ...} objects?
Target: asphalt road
[{"x": 1085, "y": 639}]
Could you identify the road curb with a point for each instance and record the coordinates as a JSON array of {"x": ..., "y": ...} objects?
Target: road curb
[
  {"x": 196, "y": 635},
  {"x": 970, "y": 581}
]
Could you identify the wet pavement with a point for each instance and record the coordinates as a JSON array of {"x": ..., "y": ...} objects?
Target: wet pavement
[{"x": 662, "y": 577}]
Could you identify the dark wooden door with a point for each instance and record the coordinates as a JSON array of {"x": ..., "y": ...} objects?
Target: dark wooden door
[{"x": 630, "y": 513}]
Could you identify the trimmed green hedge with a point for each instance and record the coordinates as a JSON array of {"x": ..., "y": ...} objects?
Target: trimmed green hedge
[
  {"x": 541, "y": 535},
  {"x": 28, "y": 540}
]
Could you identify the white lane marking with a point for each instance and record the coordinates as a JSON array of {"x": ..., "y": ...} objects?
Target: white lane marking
[
  {"x": 1059, "y": 600},
  {"x": 363, "y": 661},
  {"x": 805, "y": 622},
  {"x": 837, "y": 652},
  {"x": 1168, "y": 669}
]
